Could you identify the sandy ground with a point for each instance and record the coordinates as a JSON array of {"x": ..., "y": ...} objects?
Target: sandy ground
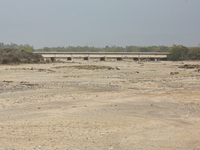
[{"x": 124, "y": 105}]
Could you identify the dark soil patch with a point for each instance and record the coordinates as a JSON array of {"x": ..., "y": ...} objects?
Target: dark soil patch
[
  {"x": 186, "y": 66},
  {"x": 86, "y": 67}
]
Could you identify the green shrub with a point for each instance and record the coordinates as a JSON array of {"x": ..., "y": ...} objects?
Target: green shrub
[
  {"x": 17, "y": 56},
  {"x": 178, "y": 52}
]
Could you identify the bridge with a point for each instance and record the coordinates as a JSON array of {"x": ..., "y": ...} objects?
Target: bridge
[{"x": 105, "y": 55}]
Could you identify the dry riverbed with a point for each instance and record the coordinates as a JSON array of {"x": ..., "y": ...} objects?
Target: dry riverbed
[{"x": 96, "y": 105}]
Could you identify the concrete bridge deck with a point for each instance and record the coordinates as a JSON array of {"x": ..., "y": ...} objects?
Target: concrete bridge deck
[{"x": 105, "y": 55}]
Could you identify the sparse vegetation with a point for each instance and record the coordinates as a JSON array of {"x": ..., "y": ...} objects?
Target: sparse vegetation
[
  {"x": 180, "y": 52},
  {"x": 12, "y": 53},
  {"x": 177, "y": 52},
  {"x": 40, "y": 69},
  {"x": 16, "y": 56},
  {"x": 86, "y": 67},
  {"x": 190, "y": 66},
  {"x": 107, "y": 49}
]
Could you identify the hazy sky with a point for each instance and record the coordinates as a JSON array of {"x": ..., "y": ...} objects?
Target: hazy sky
[{"x": 52, "y": 23}]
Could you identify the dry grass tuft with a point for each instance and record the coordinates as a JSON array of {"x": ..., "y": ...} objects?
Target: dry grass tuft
[
  {"x": 186, "y": 66},
  {"x": 86, "y": 67}
]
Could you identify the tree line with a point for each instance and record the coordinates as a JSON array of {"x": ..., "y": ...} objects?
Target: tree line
[
  {"x": 180, "y": 52},
  {"x": 106, "y": 49},
  {"x": 24, "y": 52},
  {"x": 177, "y": 52},
  {"x": 25, "y": 47}
]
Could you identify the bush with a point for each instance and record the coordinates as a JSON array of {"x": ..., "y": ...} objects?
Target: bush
[
  {"x": 194, "y": 53},
  {"x": 17, "y": 56},
  {"x": 16, "y": 59},
  {"x": 178, "y": 53},
  {"x": 36, "y": 60},
  {"x": 6, "y": 60}
]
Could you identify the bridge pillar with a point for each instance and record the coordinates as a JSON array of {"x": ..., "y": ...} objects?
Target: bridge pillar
[
  {"x": 119, "y": 58},
  {"x": 152, "y": 59},
  {"x": 136, "y": 59},
  {"x": 69, "y": 58},
  {"x": 102, "y": 58},
  {"x": 86, "y": 58},
  {"x": 53, "y": 59},
  {"x": 156, "y": 59}
]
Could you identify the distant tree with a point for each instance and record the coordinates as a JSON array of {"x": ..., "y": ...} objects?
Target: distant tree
[
  {"x": 144, "y": 49},
  {"x": 178, "y": 52},
  {"x": 194, "y": 53},
  {"x": 132, "y": 49},
  {"x": 11, "y": 55},
  {"x": 1, "y": 45},
  {"x": 46, "y": 49},
  {"x": 164, "y": 48},
  {"x": 27, "y": 49},
  {"x": 153, "y": 49},
  {"x": 107, "y": 47}
]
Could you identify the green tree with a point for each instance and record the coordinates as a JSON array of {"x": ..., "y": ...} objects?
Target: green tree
[
  {"x": 144, "y": 49},
  {"x": 27, "y": 49},
  {"x": 178, "y": 52},
  {"x": 131, "y": 49},
  {"x": 164, "y": 48},
  {"x": 194, "y": 53}
]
